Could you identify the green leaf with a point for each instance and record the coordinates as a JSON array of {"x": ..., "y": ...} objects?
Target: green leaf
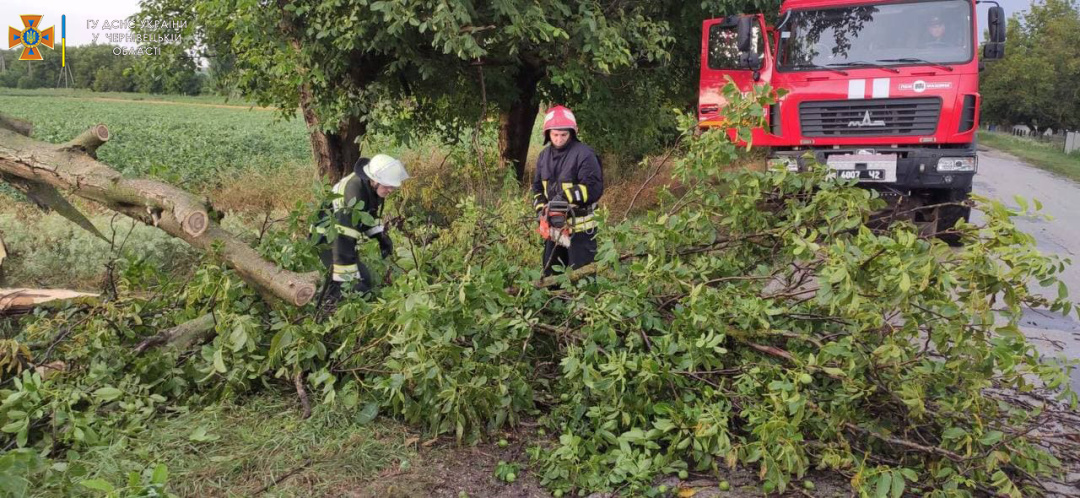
[
  {"x": 160, "y": 475},
  {"x": 954, "y": 433},
  {"x": 199, "y": 435},
  {"x": 107, "y": 394},
  {"x": 238, "y": 337},
  {"x": 98, "y": 485},
  {"x": 991, "y": 438},
  {"x": 897, "y": 485},
  {"x": 884, "y": 485},
  {"x": 1021, "y": 202},
  {"x": 368, "y": 413},
  {"x": 219, "y": 362}
]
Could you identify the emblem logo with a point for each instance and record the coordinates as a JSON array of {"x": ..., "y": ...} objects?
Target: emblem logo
[
  {"x": 31, "y": 37},
  {"x": 920, "y": 86},
  {"x": 866, "y": 122}
]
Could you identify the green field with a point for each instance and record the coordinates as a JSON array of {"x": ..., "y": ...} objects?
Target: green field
[
  {"x": 191, "y": 141},
  {"x": 143, "y": 97},
  {"x": 1043, "y": 155}
]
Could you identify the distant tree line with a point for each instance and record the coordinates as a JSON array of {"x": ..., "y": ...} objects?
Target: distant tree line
[
  {"x": 1036, "y": 84},
  {"x": 95, "y": 67}
]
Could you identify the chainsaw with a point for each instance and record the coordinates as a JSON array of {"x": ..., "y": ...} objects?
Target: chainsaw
[{"x": 554, "y": 223}]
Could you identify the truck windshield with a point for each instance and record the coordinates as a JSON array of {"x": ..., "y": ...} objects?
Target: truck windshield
[{"x": 931, "y": 32}]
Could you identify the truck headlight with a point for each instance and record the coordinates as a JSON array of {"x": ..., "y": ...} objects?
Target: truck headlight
[
  {"x": 789, "y": 163},
  {"x": 957, "y": 164}
]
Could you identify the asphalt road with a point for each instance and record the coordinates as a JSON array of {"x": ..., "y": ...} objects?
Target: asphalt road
[{"x": 1003, "y": 176}]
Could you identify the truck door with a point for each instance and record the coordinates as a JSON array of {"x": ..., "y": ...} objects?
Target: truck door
[{"x": 721, "y": 58}]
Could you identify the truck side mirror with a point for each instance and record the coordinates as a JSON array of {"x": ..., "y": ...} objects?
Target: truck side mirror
[
  {"x": 993, "y": 51},
  {"x": 743, "y": 30},
  {"x": 750, "y": 60},
  {"x": 996, "y": 24}
]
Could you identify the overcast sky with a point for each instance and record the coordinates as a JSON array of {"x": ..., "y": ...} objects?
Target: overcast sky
[
  {"x": 80, "y": 11},
  {"x": 77, "y": 11}
]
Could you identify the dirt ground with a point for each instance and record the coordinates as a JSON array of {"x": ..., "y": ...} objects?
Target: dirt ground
[{"x": 446, "y": 470}]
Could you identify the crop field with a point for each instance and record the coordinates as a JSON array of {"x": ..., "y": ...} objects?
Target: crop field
[{"x": 191, "y": 141}]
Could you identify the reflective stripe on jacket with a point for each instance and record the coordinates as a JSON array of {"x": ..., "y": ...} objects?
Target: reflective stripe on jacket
[
  {"x": 573, "y": 174},
  {"x": 354, "y": 191}
]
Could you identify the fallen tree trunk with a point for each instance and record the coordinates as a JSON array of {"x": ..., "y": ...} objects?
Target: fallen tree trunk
[
  {"x": 19, "y": 301},
  {"x": 72, "y": 168}
]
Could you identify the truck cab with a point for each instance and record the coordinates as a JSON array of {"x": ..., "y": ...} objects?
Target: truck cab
[{"x": 884, "y": 92}]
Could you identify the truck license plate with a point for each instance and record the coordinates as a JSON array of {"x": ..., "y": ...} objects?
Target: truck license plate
[
  {"x": 861, "y": 174},
  {"x": 867, "y": 167}
]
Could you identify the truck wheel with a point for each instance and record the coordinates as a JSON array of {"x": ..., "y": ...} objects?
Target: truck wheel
[{"x": 947, "y": 216}]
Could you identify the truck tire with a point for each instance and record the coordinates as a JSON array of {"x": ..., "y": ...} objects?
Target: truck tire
[{"x": 947, "y": 216}]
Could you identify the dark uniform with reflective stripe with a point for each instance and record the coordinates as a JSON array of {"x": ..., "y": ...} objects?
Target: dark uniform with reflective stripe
[
  {"x": 572, "y": 174},
  {"x": 352, "y": 192}
]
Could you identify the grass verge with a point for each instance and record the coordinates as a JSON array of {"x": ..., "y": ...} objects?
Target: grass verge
[
  {"x": 260, "y": 444},
  {"x": 1038, "y": 154}
]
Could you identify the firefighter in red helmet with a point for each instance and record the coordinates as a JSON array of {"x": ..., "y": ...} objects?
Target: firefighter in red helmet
[{"x": 566, "y": 187}]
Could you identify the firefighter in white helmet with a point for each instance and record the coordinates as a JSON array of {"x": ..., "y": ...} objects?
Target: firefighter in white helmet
[{"x": 371, "y": 181}]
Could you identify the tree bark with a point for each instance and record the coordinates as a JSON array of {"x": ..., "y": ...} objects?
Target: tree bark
[
  {"x": 517, "y": 119},
  {"x": 334, "y": 152},
  {"x": 67, "y": 167},
  {"x": 90, "y": 140},
  {"x": 3, "y": 256},
  {"x": 16, "y": 125},
  {"x": 19, "y": 301},
  {"x": 181, "y": 336},
  {"x": 178, "y": 213}
]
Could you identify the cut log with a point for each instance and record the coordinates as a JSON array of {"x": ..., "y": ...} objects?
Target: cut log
[
  {"x": 19, "y": 301},
  {"x": 69, "y": 168},
  {"x": 180, "y": 336},
  {"x": 90, "y": 140}
]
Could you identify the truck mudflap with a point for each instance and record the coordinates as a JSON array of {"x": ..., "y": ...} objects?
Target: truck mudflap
[{"x": 896, "y": 170}]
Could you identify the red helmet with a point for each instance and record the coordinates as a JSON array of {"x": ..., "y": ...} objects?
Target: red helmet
[{"x": 559, "y": 118}]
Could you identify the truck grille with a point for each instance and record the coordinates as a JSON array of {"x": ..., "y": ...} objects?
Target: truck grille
[{"x": 870, "y": 117}]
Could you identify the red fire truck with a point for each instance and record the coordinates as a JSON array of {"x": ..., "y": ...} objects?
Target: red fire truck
[{"x": 885, "y": 92}]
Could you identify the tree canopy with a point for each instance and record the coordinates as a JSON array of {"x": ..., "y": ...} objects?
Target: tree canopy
[
  {"x": 453, "y": 63},
  {"x": 1036, "y": 82}
]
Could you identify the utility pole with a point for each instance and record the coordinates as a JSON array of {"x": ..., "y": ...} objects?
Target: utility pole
[{"x": 65, "y": 78}]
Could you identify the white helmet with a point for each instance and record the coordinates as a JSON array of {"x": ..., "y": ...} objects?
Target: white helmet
[{"x": 386, "y": 170}]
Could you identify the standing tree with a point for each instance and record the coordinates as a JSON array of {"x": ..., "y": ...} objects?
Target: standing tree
[
  {"x": 335, "y": 59},
  {"x": 1036, "y": 82}
]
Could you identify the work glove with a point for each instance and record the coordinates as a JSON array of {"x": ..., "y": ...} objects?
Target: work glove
[{"x": 386, "y": 246}]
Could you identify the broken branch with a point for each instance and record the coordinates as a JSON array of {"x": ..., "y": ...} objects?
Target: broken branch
[
  {"x": 18, "y": 301},
  {"x": 180, "y": 336},
  {"x": 89, "y": 140},
  {"x": 177, "y": 212}
]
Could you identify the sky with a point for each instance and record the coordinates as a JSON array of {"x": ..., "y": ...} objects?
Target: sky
[{"x": 80, "y": 11}]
